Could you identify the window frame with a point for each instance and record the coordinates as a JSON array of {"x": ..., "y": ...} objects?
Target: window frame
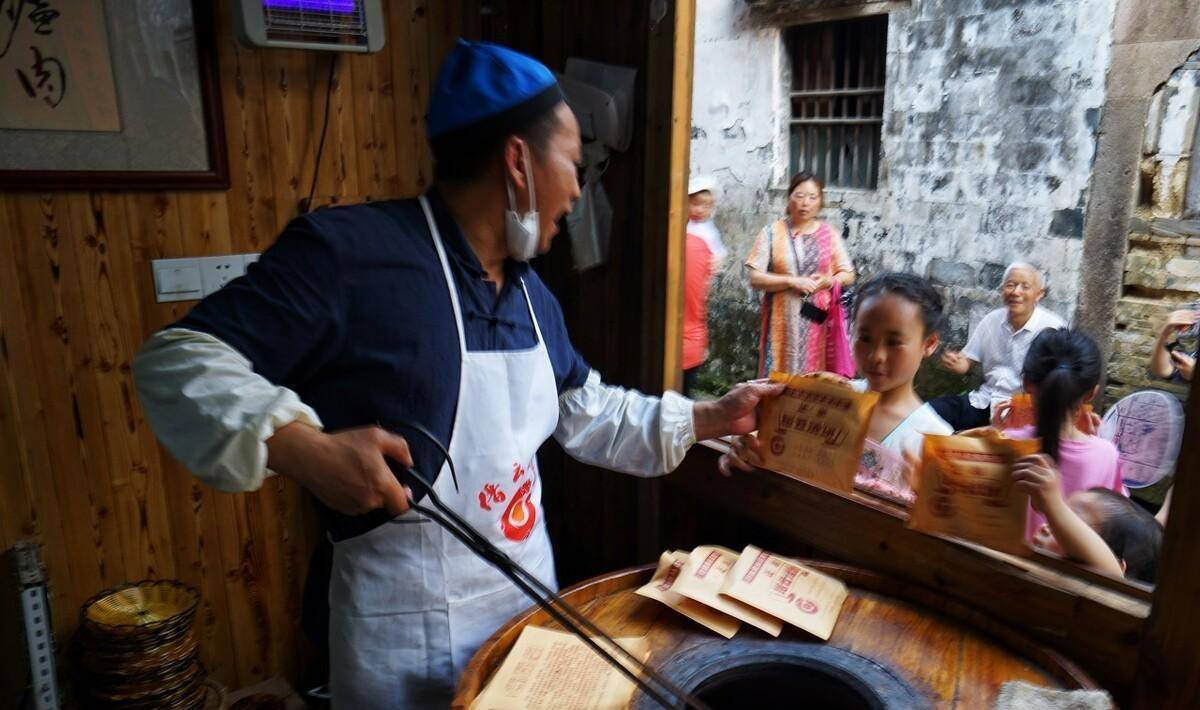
[{"x": 816, "y": 98}]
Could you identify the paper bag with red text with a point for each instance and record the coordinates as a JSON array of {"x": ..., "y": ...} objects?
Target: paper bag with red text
[
  {"x": 701, "y": 578},
  {"x": 660, "y": 588},
  {"x": 965, "y": 489},
  {"x": 816, "y": 429},
  {"x": 787, "y": 589}
]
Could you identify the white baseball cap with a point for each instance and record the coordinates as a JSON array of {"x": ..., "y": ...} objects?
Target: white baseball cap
[{"x": 700, "y": 183}]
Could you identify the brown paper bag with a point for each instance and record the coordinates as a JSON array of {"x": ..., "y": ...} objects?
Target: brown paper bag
[
  {"x": 701, "y": 579},
  {"x": 800, "y": 596},
  {"x": 660, "y": 589},
  {"x": 966, "y": 490},
  {"x": 547, "y": 670},
  {"x": 816, "y": 429}
]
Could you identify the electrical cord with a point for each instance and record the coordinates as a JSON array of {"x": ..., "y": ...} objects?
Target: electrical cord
[
  {"x": 554, "y": 605},
  {"x": 306, "y": 206}
]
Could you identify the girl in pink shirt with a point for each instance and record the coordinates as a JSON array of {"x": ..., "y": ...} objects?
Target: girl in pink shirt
[{"x": 1062, "y": 373}]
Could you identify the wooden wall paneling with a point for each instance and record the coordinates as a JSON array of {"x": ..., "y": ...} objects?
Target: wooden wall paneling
[
  {"x": 408, "y": 47},
  {"x": 421, "y": 77},
  {"x": 251, "y": 197},
  {"x": 17, "y": 513},
  {"x": 87, "y": 524},
  {"x": 156, "y": 232},
  {"x": 288, "y": 98},
  {"x": 375, "y": 122},
  {"x": 338, "y": 173},
  {"x": 107, "y": 294},
  {"x": 114, "y": 507},
  {"x": 446, "y": 25},
  {"x": 30, "y": 504}
]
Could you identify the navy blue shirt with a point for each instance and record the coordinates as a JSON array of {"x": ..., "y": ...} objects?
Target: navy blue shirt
[{"x": 350, "y": 309}]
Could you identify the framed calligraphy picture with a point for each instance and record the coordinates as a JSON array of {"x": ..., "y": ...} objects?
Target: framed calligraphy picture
[{"x": 109, "y": 94}]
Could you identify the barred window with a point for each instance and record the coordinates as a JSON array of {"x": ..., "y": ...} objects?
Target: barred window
[{"x": 837, "y": 99}]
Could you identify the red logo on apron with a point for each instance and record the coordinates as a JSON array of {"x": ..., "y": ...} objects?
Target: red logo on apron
[{"x": 518, "y": 520}]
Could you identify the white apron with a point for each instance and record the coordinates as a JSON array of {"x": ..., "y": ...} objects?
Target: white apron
[{"x": 409, "y": 603}]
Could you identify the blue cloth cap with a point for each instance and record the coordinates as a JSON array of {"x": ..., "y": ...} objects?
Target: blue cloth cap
[{"x": 484, "y": 92}]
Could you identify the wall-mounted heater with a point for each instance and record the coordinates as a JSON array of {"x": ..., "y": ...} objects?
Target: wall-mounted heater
[{"x": 330, "y": 25}]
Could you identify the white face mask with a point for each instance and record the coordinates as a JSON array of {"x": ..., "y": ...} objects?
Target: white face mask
[{"x": 522, "y": 232}]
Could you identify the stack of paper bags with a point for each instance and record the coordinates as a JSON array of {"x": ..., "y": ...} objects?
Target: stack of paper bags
[{"x": 720, "y": 589}]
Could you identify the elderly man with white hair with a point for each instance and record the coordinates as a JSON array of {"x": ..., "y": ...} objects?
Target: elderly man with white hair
[{"x": 998, "y": 344}]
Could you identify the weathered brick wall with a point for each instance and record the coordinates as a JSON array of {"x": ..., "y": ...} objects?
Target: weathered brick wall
[
  {"x": 990, "y": 124},
  {"x": 1162, "y": 267}
]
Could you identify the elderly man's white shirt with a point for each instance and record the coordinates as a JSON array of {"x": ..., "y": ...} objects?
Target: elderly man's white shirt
[{"x": 1001, "y": 352}]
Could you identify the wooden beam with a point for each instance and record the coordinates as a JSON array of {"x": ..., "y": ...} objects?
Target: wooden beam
[
  {"x": 669, "y": 93},
  {"x": 1168, "y": 672},
  {"x": 668, "y": 141}
]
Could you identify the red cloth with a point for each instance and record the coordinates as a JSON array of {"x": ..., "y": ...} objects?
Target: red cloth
[{"x": 698, "y": 263}]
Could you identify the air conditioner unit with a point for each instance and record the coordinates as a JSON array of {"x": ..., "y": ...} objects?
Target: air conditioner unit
[{"x": 329, "y": 25}]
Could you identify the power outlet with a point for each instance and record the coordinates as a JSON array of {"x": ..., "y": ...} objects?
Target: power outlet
[{"x": 216, "y": 271}]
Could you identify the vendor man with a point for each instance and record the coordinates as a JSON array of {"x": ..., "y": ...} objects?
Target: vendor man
[
  {"x": 998, "y": 344},
  {"x": 361, "y": 319}
]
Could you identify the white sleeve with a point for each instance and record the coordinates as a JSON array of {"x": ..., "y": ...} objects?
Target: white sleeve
[
  {"x": 625, "y": 430},
  {"x": 210, "y": 409}
]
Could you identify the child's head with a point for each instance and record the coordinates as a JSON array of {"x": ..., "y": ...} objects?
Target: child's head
[
  {"x": 1132, "y": 533},
  {"x": 1061, "y": 372},
  {"x": 897, "y": 318},
  {"x": 700, "y": 206},
  {"x": 701, "y": 198}
]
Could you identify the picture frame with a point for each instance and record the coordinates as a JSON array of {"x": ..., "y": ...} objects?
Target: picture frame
[{"x": 164, "y": 100}]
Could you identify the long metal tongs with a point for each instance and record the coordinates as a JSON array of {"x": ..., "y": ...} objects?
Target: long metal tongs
[{"x": 554, "y": 605}]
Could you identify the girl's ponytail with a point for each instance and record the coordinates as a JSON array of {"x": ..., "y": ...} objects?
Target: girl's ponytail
[{"x": 1063, "y": 365}]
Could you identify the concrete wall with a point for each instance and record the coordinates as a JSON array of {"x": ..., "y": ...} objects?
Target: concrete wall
[
  {"x": 991, "y": 114},
  {"x": 1162, "y": 265},
  {"x": 1126, "y": 286}
]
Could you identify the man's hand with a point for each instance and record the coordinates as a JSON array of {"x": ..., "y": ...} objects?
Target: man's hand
[
  {"x": 735, "y": 413},
  {"x": 955, "y": 362},
  {"x": 346, "y": 471},
  {"x": 745, "y": 452},
  {"x": 1179, "y": 320},
  {"x": 1038, "y": 476},
  {"x": 1185, "y": 364}
]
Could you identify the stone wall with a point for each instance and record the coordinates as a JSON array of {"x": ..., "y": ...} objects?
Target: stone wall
[
  {"x": 1162, "y": 265},
  {"x": 991, "y": 112}
]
